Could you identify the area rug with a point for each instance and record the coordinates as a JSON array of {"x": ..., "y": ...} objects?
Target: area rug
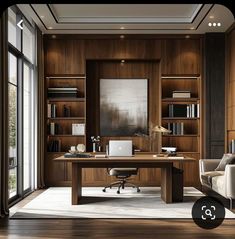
[{"x": 55, "y": 202}]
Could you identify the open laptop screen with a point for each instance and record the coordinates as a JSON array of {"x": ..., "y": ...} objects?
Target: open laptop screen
[{"x": 120, "y": 148}]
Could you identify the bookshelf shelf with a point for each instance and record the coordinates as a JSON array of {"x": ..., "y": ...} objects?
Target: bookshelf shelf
[
  {"x": 182, "y": 115},
  {"x": 179, "y": 118},
  {"x": 63, "y": 112},
  {"x": 66, "y": 99},
  {"x": 185, "y": 135},
  {"x": 181, "y": 100},
  {"x": 65, "y": 135},
  {"x": 66, "y": 118}
]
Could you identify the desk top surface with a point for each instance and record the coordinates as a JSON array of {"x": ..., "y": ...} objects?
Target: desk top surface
[{"x": 136, "y": 158}]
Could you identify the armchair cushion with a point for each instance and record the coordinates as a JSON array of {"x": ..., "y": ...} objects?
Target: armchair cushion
[
  {"x": 207, "y": 177},
  {"x": 226, "y": 159}
]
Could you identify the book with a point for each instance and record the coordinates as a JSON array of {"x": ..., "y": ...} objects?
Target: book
[
  {"x": 181, "y": 94},
  {"x": 177, "y": 110},
  {"x": 49, "y": 110}
]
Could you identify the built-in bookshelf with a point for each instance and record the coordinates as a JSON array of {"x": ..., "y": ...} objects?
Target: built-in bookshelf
[
  {"x": 182, "y": 115},
  {"x": 66, "y": 112}
]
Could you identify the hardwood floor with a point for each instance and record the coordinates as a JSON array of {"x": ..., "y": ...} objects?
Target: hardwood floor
[{"x": 106, "y": 228}]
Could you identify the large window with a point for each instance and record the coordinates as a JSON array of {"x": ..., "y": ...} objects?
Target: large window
[
  {"x": 21, "y": 59},
  {"x": 12, "y": 98}
]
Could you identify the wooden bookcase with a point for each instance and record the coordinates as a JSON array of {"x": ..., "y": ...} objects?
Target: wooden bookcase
[
  {"x": 64, "y": 135},
  {"x": 188, "y": 143}
]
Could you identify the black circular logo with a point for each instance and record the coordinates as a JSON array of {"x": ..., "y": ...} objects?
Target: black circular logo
[{"x": 208, "y": 212}]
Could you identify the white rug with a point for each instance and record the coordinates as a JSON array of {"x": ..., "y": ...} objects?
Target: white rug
[{"x": 56, "y": 203}]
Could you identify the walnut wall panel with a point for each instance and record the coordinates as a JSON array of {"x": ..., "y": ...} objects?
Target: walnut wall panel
[
  {"x": 215, "y": 94},
  {"x": 64, "y": 57},
  {"x": 123, "y": 49},
  {"x": 181, "y": 56},
  {"x": 96, "y": 58},
  {"x": 97, "y": 69},
  {"x": 230, "y": 88}
]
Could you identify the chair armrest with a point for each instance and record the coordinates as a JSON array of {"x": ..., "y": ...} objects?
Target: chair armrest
[
  {"x": 230, "y": 180},
  {"x": 206, "y": 165}
]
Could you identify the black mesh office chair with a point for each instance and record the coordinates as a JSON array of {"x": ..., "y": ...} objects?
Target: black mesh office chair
[{"x": 122, "y": 174}]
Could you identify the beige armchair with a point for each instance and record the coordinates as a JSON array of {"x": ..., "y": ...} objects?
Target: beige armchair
[{"x": 222, "y": 182}]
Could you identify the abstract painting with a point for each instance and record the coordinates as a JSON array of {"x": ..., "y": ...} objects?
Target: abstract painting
[{"x": 123, "y": 107}]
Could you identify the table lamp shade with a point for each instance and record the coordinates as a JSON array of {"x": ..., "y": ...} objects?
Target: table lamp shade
[{"x": 160, "y": 129}]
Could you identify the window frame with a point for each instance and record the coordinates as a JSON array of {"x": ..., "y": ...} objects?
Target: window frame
[{"x": 21, "y": 60}]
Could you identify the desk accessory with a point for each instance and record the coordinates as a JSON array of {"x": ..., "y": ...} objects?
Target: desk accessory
[{"x": 77, "y": 155}]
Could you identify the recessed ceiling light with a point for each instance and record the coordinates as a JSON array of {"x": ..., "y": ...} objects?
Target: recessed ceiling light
[
  {"x": 214, "y": 24},
  {"x": 219, "y": 24},
  {"x": 122, "y": 36},
  {"x": 50, "y": 27},
  {"x": 122, "y": 61},
  {"x": 122, "y": 28},
  {"x": 209, "y": 24},
  {"x": 211, "y": 17}
]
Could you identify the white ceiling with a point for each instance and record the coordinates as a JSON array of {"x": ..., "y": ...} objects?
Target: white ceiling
[{"x": 135, "y": 18}]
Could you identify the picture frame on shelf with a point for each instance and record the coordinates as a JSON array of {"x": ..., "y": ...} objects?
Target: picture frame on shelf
[{"x": 78, "y": 129}]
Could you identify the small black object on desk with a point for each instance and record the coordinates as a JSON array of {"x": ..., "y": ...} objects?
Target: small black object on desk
[{"x": 77, "y": 155}]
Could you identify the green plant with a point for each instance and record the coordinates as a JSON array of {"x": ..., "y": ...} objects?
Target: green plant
[{"x": 12, "y": 182}]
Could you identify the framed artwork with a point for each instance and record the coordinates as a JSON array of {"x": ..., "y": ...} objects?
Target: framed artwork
[{"x": 123, "y": 107}]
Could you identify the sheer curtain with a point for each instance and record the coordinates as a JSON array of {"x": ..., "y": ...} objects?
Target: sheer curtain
[{"x": 3, "y": 116}]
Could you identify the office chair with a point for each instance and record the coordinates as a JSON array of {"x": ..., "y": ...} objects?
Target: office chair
[{"x": 122, "y": 174}]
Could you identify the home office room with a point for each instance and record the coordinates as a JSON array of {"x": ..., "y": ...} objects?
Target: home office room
[{"x": 117, "y": 111}]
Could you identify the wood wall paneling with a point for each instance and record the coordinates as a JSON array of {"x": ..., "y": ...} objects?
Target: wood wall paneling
[
  {"x": 230, "y": 89},
  {"x": 54, "y": 57},
  {"x": 64, "y": 57},
  {"x": 215, "y": 94},
  {"x": 100, "y": 58},
  {"x": 181, "y": 56},
  {"x": 122, "y": 49}
]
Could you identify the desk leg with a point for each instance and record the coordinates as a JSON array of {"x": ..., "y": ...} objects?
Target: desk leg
[
  {"x": 76, "y": 183},
  {"x": 166, "y": 184}
]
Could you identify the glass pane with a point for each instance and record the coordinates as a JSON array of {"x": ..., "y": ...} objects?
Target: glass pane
[
  {"x": 12, "y": 188},
  {"x": 12, "y": 27},
  {"x": 12, "y": 94},
  {"x": 28, "y": 43},
  {"x": 12, "y": 69},
  {"x": 27, "y": 126}
]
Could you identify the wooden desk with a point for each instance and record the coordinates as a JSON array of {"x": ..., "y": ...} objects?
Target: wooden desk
[{"x": 137, "y": 161}]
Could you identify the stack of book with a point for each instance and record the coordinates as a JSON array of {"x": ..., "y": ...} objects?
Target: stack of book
[
  {"x": 54, "y": 128},
  {"x": 183, "y": 110},
  {"x": 62, "y": 92},
  {"x": 54, "y": 146},
  {"x": 177, "y": 128},
  {"x": 51, "y": 110},
  {"x": 181, "y": 94},
  {"x": 232, "y": 146}
]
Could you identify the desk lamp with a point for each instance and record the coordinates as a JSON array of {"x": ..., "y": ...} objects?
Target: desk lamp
[{"x": 161, "y": 130}]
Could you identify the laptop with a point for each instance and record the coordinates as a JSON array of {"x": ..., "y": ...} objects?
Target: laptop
[{"x": 120, "y": 148}]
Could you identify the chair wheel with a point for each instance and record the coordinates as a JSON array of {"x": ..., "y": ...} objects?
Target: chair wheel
[
  {"x": 104, "y": 190},
  {"x": 138, "y": 190},
  {"x": 110, "y": 187},
  {"x": 118, "y": 192}
]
